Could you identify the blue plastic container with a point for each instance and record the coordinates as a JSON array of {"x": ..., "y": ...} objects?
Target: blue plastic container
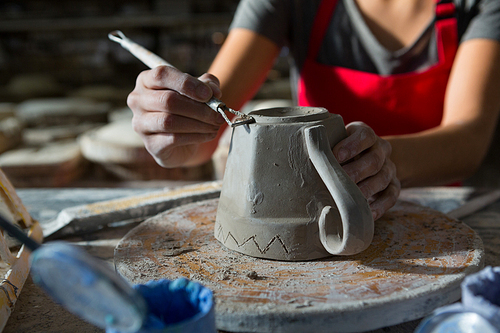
[
  {"x": 479, "y": 311},
  {"x": 89, "y": 288},
  {"x": 179, "y": 306}
]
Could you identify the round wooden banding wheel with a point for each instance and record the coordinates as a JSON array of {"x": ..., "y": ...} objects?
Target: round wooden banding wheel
[{"x": 416, "y": 262}]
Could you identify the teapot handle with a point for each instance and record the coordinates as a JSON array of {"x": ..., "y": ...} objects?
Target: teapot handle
[{"x": 354, "y": 232}]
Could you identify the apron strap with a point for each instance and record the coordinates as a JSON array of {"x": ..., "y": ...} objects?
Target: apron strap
[
  {"x": 320, "y": 26},
  {"x": 446, "y": 30}
]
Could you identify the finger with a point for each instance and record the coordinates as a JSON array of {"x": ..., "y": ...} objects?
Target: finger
[
  {"x": 174, "y": 103},
  {"x": 164, "y": 122},
  {"x": 166, "y": 77},
  {"x": 359, "y": 138},
  {"x": 161, "y": 145},
  {"x": 169, "y": 156},
  {"x": 386, "y": 199},
  {"x": 378, "y": 182},
  {"x": 213, "y": 82},
  {"x": 368, "y": 163}
]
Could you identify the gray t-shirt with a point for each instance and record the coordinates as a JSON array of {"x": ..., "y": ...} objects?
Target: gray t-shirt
[{"x": 349, "y": 42}]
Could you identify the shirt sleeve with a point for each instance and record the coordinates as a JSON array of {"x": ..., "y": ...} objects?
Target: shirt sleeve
[
  {"x": 265, "y": 17},
  {"x": 486, "y": 24}
]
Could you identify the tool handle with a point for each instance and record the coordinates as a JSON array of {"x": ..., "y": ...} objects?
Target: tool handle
[
  {"x": 147, "y": 57},
  {"x": 18, "y": 234},
  {"x": 152, "y": 60}
]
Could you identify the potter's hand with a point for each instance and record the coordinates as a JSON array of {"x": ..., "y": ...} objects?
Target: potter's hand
[
  {"x": 171, "y": 116},
  {"x": 366, "y": 159}
]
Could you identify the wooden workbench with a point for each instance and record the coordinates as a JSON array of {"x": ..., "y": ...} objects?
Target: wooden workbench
[{"x": 35, "y": 312}]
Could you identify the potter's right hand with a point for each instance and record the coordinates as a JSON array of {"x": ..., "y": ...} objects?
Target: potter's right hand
[{"x": 171, "y": 116}]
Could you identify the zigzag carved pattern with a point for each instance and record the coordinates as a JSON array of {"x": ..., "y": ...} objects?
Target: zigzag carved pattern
[{"x": 252, "y": 238}]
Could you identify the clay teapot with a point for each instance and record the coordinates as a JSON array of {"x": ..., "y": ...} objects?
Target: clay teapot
[{"x": 284, "y": 195}]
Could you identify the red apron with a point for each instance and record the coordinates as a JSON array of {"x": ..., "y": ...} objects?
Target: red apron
[{"x": 390, "y": 104}]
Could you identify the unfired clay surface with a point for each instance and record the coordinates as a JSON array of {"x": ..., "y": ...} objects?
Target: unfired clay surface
[{"x": 282, "y": 186}]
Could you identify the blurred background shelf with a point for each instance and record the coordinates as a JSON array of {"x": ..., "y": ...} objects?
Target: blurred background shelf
[{"x": 141, "y": 21}]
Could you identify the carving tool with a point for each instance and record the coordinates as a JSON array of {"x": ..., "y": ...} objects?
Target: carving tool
[{"x": 152, "y": 60}]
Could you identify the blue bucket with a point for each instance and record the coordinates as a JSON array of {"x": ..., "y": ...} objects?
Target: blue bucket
[{"x": 176, "y": 306}]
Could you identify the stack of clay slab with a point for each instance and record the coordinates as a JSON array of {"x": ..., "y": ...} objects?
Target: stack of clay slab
[
  {"x": 31, "y": 85},
  {"x": 10, "y": 127},
  {"x": 47, "y": 112},
  {"x": 121, "y": 151},
  {"x": 50, "y": 155},
  {"x": 52, "y": 165},
  {"x": 103, "y": 93}
]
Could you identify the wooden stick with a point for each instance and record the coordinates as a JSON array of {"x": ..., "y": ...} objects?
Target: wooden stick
[{"x": 475, "y": 205}]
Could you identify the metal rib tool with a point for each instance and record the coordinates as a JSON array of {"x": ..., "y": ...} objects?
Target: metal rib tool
[{"x": 152, "y": 60}]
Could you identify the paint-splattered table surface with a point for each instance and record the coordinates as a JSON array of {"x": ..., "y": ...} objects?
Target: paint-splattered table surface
[{"x": 34, "y": 309}]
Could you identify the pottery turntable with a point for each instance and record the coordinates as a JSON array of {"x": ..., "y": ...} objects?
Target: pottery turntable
[
  {"x": 286, "y": 206},
  {"x": 415, "y": 264}
]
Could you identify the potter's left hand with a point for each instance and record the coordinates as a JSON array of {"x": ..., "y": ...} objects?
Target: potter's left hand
[{"x": 366, "y": 159}]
